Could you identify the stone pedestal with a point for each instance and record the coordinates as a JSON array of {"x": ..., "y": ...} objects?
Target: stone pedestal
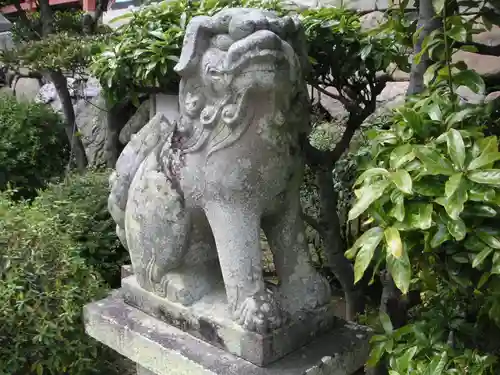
[{"x": 161, "y": 349}]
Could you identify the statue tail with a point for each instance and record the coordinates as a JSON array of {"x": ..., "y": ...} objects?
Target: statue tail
[{"x": 153, "y": 134}]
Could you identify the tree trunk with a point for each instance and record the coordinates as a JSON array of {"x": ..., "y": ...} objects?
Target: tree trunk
[
  {"x": 114, "y": 123},
  {"x": 429, "y": 22},
  {"x": 71, "y": 129},
  {"x": 334, "y": 244},
  {"x": 46, "y": 17}
]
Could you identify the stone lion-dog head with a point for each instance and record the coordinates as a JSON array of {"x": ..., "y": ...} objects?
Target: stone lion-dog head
[{"x": 231, "y": 59}]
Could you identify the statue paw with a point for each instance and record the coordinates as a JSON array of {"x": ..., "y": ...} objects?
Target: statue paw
[{"x": 259, "y": 313}]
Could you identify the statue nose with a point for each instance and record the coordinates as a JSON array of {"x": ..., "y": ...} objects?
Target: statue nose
[{"x": 258, "y": 41}]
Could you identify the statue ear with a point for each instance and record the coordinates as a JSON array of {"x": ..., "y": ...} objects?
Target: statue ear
[{"x": 196, "y": 42}]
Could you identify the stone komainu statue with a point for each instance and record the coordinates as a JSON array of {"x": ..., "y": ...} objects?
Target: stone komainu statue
[{"x": 189, "y": 198}]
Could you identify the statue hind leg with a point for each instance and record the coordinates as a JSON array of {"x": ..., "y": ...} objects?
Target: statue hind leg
[
  {"x": 200, "y": 271},
  {"x": 156, "y": 225},
  {"x": 171, "y": 247}
]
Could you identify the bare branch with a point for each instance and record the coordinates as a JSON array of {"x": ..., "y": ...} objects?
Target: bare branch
[
  {"x": 353, "y": 124},
  {"x": 340, "y": 98},
  {"x": 482, "y": 49}
]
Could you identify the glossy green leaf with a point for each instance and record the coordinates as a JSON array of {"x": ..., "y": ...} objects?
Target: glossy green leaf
[
  {"x": 419, "y": 215},
  {"x": 400, "y": 270},
  {"x": 487, "y": 144},
  {"x": 442, "y": 235},
  {"x": 458, "y": 33},
  {"x": 402, "y": 180},
  {"x": 371, "y": 237},
  {"x": 438, "y": 364},
  {"x": 401, "y": 155},
  {"x": 479, "y": 258},
  {"x": 459, "y": 116},
  {"x": 376, "y": 353},
  {"x": 495, "y": 266},
  {"x": 462, "y": 258},
  {"x": 479, "y": 210},
  {"x": 452, "y": 184},
  {"x": 372, "y": 172},
  {"x": 369, "y": 242},
  {"x": 481, "y": 194},
  {"x": 428, "y": 188},
  {"x": 485, "y": 176},
  {"x": 456, "y": 147},
  {"x": 435, "y": 112},
  {"x": 365, "y": 51},
  {"x": 457, "y": 229},
  {"x": 471, "y": 79},
  {"x": 410, "y": 117},
  {"x": 483, "y": 280},
  {"x": 393, "y": 242},
  {"x": 484, "y": 159},
  {"x": 474, "y": 244},
  {"x": 404, "y": 360},
  {"x": 434, "y": 162},
  {"x": 386, "y": 322},
  {"x": 368, "y": 195},
  {"x": 438, "y": 5},
  {"x": 454, "y": 205},
  {"x": 398, "y": 209},
  {"x": 488, "y": 238}
]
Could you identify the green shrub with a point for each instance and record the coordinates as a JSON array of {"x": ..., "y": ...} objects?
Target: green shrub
[
  {"x": 432, "y": 197},
  {"x": 33, "y": 146},
  {"x": 44, "y": 282},
  {"x": 80, "y": 203}
]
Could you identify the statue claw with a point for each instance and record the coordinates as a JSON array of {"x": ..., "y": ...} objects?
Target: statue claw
[{"x": 259, "y": 313}]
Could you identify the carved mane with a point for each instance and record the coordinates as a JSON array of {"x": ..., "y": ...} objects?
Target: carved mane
[{"x": 214, "y": 110}]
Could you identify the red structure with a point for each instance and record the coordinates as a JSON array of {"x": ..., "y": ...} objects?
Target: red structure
[{"x": 30, "y": 5}]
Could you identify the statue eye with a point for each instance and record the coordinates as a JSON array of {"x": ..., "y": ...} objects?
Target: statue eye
[{"x": 214, "y": 73}]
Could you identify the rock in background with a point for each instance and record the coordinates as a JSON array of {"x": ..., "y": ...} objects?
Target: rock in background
[
  {"x": 90, "y": 114},
  {"x": 136, "y": 122}
]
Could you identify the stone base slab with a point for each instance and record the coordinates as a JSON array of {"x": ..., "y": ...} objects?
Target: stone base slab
[
  {"x": 165, "y": 350},
  {"x": 209, "y": 320}
]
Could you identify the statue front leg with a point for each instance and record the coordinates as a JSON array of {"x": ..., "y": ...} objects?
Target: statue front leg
[
  {"x": 236, "y": 231},
  {"x": 301, "y": 286}
]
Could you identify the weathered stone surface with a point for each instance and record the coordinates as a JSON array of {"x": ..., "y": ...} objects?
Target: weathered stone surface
[
  {"x": 372, "y": 20},
  {"x": 487, "y": 66},
  {"x": 5, "y": 24},
  {"x": 91, "y": 119},
  {"x": 6, "y": 41},
  {"x": 393, "y": 92},
  {"x": 191, "y": 199},
  {"x": 26, "y": 89},
  {"x": 168, "y": 105},
  {"x": 166, "y": 350},
  {"x": 143, "y": 371},
  {"x": 88, "y": 89},
  {"x": 126, "y": 271},
  {"x": 136, "y": 122},
  {"x": 209, "y": 320}
]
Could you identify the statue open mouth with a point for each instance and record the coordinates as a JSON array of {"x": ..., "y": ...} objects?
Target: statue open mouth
[
  {"x": 258, "y": 60},
  {"x": 261, "y": 51}
]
